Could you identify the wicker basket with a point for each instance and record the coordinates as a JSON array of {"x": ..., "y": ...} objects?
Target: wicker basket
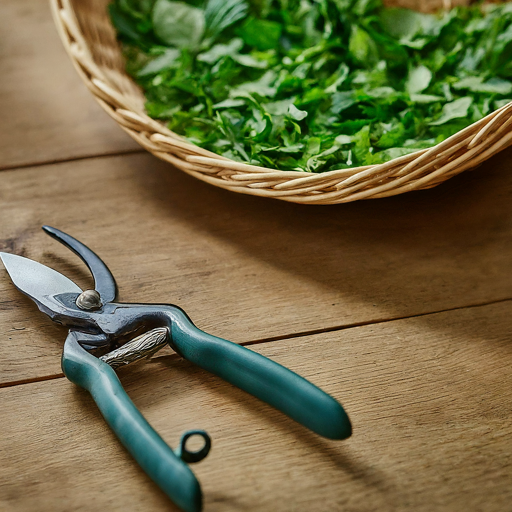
[{"x": 90, "y": 41}]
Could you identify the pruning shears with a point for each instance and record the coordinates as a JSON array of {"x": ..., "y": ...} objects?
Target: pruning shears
[{"x": 104, "y": 335}]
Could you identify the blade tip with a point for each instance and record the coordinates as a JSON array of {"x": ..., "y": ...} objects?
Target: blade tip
[{"x": 4, "y": 257}]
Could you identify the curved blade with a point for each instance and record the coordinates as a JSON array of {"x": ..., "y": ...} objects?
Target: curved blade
[
  {"x": 39, "y": 282},
  {"x": 104, "y": 282}
]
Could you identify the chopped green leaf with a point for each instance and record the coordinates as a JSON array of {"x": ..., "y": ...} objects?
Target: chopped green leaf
[
  {"x": 262, "y": 87},
  {"x": 221, "y": 14},
  {"x": 221, "y": 50},
  {"x": 261, "y": 34},
  {"x": 341, "y": 101},
  {"x": 501, "y": 103},
  {"x": 418, "y": 80},
  {"x": 453, "y": 110},
  {"x": 167, "y": 60},
  {"x": 362, "y": 47},
  {"x": 229, "y": 103},
  {"x": 426, "y": 98},
  {"x": 296, "y": 114},
  {"x": 343, "y": 139},
  {"x": 178, "y": 24},
  {"x": 477, "y": 84},
  {"x": 403, "y": 23}
]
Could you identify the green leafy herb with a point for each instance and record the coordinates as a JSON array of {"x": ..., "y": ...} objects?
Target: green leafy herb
[
  {"x": 315, "y": 85},
  {"x": 418, "y": 80},
  {"x": 260, "y": 34},
  {"x": 178, "y": 24},
  {"x": 453, "y": 110},
  {"x": 220, "y": 14}
]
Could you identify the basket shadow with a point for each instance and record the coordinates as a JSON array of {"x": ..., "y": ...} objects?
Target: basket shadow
[{"x": 419, "y": 252}]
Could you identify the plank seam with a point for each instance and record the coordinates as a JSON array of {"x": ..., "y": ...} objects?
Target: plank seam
[
  {"x": 72, "y": 159},
  {"x": 301, "y": 334},
  {"x": 30, "y": 380}
]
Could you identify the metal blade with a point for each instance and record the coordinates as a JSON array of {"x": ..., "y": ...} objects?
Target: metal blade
[
  {"x": 37, "y": 281},
  {"x": 104, "y": 282}
]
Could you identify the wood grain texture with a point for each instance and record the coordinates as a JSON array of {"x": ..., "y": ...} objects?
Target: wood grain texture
[
  {"x": 429, "y": 399},
  {"x": 247, "y": 268},
  {"x": 47, "y": 113}
]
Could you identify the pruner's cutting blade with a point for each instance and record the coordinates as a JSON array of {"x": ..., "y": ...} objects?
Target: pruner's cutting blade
[{"x": 39, "y": 282}]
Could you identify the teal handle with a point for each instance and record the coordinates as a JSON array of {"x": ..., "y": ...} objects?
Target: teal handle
[
  {"x": 262, "y": 378},
  {"x": 151, "y": 452}
]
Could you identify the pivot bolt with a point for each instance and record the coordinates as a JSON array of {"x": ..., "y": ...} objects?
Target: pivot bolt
[{"x": 89, "y": 300}]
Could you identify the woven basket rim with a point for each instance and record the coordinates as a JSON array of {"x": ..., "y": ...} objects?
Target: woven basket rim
[{"x": 418, "y": 170}]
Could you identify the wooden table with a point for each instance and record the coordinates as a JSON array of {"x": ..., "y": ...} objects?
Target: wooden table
[{"x": 400, "y": 308}]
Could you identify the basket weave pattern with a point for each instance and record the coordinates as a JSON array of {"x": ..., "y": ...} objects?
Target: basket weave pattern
[{"x": 90, "y": 40}]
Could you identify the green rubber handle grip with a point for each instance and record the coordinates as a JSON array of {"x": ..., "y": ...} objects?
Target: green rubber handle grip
[
  {"x": 262, "y": 378},
  {"x": 151, "y": 452}
]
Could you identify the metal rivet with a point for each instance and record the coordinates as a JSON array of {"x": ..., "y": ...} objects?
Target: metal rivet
[{"x": 89, "y": 300}]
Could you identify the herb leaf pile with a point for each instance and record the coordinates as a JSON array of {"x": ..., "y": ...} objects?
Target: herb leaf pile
[{"x": 315, "y": 85}]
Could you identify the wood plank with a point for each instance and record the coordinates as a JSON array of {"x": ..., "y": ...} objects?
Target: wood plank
[
  {"x": 47, "y": 113},
  {"x": 247, "y": 268},
  {"x": 429, "y": 398}
]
